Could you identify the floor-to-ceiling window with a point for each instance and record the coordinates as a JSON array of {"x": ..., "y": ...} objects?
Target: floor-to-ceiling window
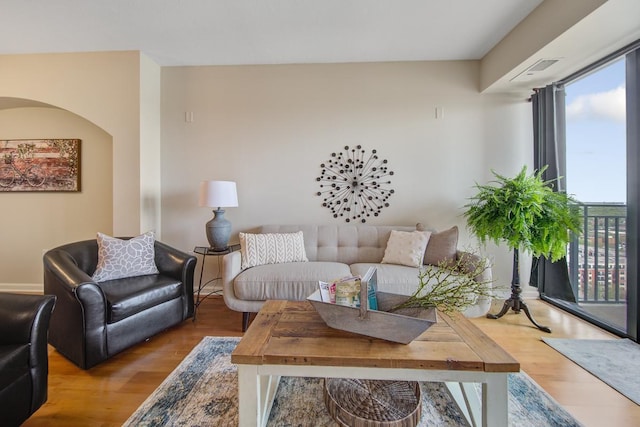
[
  {"x": 595, "y": 112},
  {"x": 602, "y": 162}
]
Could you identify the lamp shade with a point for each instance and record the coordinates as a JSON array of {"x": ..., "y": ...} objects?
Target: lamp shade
[{"x": 218, "y": 194}]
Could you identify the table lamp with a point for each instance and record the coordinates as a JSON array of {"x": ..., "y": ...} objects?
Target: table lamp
[{"x": 218, "y": 194}]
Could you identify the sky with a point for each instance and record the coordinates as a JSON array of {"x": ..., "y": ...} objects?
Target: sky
[{"x": 596, "y": 136}]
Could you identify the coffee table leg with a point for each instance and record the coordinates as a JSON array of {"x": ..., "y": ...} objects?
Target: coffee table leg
[
  {"x": 493, "y": 410},
  {"x": 248, "y": 411},
  {"x": 468, "y": 401},
  {"x": 495, "y": 400},
  {"x": 255, "y": 396}
]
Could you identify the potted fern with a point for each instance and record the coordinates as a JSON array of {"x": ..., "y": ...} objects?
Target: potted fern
[{"x": 525, "y": 213}]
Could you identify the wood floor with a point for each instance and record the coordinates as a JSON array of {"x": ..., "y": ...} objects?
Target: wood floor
[{"x": 109, "y": 393}]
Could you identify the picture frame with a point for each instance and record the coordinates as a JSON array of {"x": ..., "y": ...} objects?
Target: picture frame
[{"x": 40, "y": 165}]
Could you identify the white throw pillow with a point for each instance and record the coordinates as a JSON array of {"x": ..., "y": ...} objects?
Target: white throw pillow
[
  {"x": 118, "y": 258},
  {"x": 406, "y": 248},
  {"x": 271, "y": 248}
]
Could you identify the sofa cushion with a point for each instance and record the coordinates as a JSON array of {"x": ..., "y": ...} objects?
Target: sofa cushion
[
  {"x": 442, "y": 247},
  {"x": 271, "y": 248},
  {"x": 129, "y": 296},
  {"x": 406, "y": 248},
  {"x": 14, "y": 363},
  {"x": 118, "y": 258},
  {"x": 395, "y": 279},
  {"x": 347, "y": 244},
  {"x": 392, "y": 278},
  {"x": 288, "y": 281}
]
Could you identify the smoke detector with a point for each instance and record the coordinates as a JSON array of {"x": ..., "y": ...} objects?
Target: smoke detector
[{"x": 533, "y": 71}]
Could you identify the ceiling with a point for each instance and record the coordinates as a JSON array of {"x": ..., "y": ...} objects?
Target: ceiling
[{"x": 224, "y": 32}]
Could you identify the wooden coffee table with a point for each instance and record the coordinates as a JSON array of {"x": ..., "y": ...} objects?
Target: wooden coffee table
[{"x": 288, "y": 338}]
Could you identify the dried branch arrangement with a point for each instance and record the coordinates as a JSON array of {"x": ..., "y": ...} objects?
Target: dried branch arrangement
[{"x": 452, "y": 286}]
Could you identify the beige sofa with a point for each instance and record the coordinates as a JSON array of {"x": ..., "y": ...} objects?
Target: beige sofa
[{"x": 333, "y": 251}]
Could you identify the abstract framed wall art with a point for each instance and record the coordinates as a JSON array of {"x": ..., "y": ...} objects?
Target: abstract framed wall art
[{"x": 38, "y": 165}]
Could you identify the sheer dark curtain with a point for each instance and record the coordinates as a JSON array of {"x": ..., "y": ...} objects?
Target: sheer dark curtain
[
  {"x": 551, "y": 278},
  {"x": 633, "y": 193}
]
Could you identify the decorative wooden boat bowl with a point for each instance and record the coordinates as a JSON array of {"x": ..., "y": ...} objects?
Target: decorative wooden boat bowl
[{"x": 401, "y": 326}]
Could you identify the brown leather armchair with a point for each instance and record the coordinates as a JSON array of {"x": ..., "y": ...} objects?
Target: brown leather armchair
[
  {"x": 96, "y": 320},
  {"x": 24, "y": 360}
]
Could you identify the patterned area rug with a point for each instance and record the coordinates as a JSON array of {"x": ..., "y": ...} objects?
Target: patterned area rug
[
  {"x": 202, "y": 391},
  {"x": 610, "y": 360}
]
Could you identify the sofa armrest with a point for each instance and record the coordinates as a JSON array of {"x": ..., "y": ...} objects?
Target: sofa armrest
[
  {"x": 469, "y": 262},
  {"x": 231, "y": 267}
]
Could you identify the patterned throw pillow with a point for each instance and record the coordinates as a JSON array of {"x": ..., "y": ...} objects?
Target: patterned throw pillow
[
  {"x": 406, "y": 248},
  {"x": 119, "y": 258},
  {"x": 271, "y": 248}
]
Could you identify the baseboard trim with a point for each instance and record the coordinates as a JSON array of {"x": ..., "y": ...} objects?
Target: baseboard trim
[
  {"x": 22, "y": 288},
  {"x": 208, "y": 290}
]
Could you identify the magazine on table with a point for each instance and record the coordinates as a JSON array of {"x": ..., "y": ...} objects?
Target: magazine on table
[{"x": 346, "y": 290}]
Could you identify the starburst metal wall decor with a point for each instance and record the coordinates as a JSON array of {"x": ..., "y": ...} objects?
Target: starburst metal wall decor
[{"x": 354, "y": 185}]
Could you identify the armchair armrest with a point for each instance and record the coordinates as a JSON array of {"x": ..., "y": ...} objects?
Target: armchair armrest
[
  {"x": 71, "y": 285},
  {"x": 25, "y": 319},
  {"x": 174, "y": 263},
  {"x": 22, "y": 315},
  {"x": 82, "y": 307},
  {"x": 64, "y": 270},
  {"x": 179, "y": 265}
]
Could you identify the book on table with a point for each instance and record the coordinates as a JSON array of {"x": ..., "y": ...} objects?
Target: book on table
[{"x": 346, "y": 290}]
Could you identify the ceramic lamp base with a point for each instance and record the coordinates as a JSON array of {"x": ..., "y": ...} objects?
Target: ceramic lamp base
[{"x": 218, "y": 231}]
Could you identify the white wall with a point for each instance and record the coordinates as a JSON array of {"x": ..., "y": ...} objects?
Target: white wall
[
  {"x": 150, "y": 178},
  {"x": 34, "y": 222},
  {"x": 508, "y": 145},
  {"x": 119, "y": 92},
  {"x": 270, "y": 127},
  {"x": 103, "y": 88}
]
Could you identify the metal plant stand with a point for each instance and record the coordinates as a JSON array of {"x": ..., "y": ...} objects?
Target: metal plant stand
[{"x": 515, "y": 302}]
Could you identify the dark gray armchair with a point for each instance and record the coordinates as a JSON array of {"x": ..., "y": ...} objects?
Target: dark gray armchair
[
  {"x": 94, "y": 321},
  {"x": 24, "y": 360}
]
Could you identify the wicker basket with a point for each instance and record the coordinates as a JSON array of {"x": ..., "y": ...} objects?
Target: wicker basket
[{"x": 372, "y": 403}]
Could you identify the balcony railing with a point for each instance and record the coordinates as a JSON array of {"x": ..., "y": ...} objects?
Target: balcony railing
[{"x": 597, "y": 258}]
